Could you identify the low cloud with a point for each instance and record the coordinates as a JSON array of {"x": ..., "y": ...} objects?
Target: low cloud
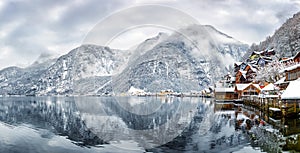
[{"x": 30, "y": 28}]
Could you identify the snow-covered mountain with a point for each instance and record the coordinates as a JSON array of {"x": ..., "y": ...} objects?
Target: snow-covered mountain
[
  {"x": 188, "y": 59},
  {"x": 86, "y": 61},
  {"x": 285, "y": 41}
]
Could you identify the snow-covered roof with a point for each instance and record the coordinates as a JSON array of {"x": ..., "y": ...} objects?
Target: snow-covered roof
[
  {"x": 241, "y": 116},
  {"x": 266, "y": 58},
  {"x": 292, "y": 91},
  {"x": 135, "y": 90},
  {"x": 243, "y": 73},
  {"x": 232, "y": 78},
  {"x": 207, "y": 90},
  {"x": 267, "y": 96},
  {"x": 292, "y": 67},
  {"x": 238, "y": 63},
  {"x": 218, "y": 84},
  {"x": 274, "y": 109},
  {"x": 269, "y": 87},
  {"x": 224, "y": 90},
  {"x": 280, "y": 81},
  {"x": 288, "y": 59},
  {"x": 252, "y": 68},
  {"x": 225, "y": 112},
  {"x": 241, "y": 86},
  {"x": 257, "y": 86},
  {"x": 260, "y": 52}
]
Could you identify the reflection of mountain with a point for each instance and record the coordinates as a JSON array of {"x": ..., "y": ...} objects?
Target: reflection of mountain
[
  {"x": 143, "y": 122},
  {"x": 115, "y": 120},
  {"x": 52, "y": 114},
  {"x": 176, "y": 125}
]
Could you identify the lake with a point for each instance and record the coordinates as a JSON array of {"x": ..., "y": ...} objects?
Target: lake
[{"x": 117, "y": 124}]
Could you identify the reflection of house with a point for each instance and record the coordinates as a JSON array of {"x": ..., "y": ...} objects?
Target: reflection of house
[
  {"x": 291, "y": 99},
  {"x": 225, "y": 94},
  {"x": 247, "y": 89}
]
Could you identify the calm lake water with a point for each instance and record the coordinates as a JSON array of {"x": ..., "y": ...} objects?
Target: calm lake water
[{"x": 116, "y": 124}]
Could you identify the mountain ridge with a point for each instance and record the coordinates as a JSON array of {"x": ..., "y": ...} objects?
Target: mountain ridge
[{"x": 189, "y": 60}]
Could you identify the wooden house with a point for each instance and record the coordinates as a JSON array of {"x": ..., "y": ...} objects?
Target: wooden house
[
  {"x": 296, "y": 58},
  {"x": 263, "y": 61},
  {"x": 237, "y": 66},
  {"x": 166, "y": 92},
  {"x": 250, "y": 73},
  {"x": 292, "y": 72},
  {"x": 244, "y": 90},
  {"x": 246, "y": 75},
  {"x": 286, "y": 61},
  {"x": 270, "y": 52},
  {"x": 240, "y": 77},
  {"x": 281, "y": 83},
  {"x": 291, "y": 99},
  {"x": 225, "y": 94},
  {"x": 269, "y": 96}
]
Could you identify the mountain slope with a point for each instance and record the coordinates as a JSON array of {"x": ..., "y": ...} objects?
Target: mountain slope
[
  {"x": 285, "y": 41},
  {"x": 86, "y": 61},
  {"x": 187, "y": 60}
]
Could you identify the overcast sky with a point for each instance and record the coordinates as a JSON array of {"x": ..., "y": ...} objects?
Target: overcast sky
[{"x": 29, "y": 28}]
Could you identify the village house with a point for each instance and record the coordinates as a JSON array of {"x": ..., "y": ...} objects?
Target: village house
[
  {"x": 246, "y": 90},
  {"x": 294, "y": 59},
  {"x": 240, "y": 77},
  {"x": 223, "y": 94},
  {"x": 250, "y": 73},
  {"x": 269, "y": 97},
  {"x": 239, "y": 66},
  {"x": 246, "y": 75},
  {"x": 263, "y": 61},
  {"x": 292, "y": 72},
  {"x": 281, "y": 83},
  {"x": 291, "y": 99}
]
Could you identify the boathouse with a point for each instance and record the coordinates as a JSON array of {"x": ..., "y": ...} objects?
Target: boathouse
[{"x": 225, "y": 94}]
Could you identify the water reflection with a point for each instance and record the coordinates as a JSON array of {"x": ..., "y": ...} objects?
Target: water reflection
[
  {"x": 58, "y": 115},
  {"x": 151, "y": 123},
  {"x": 116, "y": 124}
]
